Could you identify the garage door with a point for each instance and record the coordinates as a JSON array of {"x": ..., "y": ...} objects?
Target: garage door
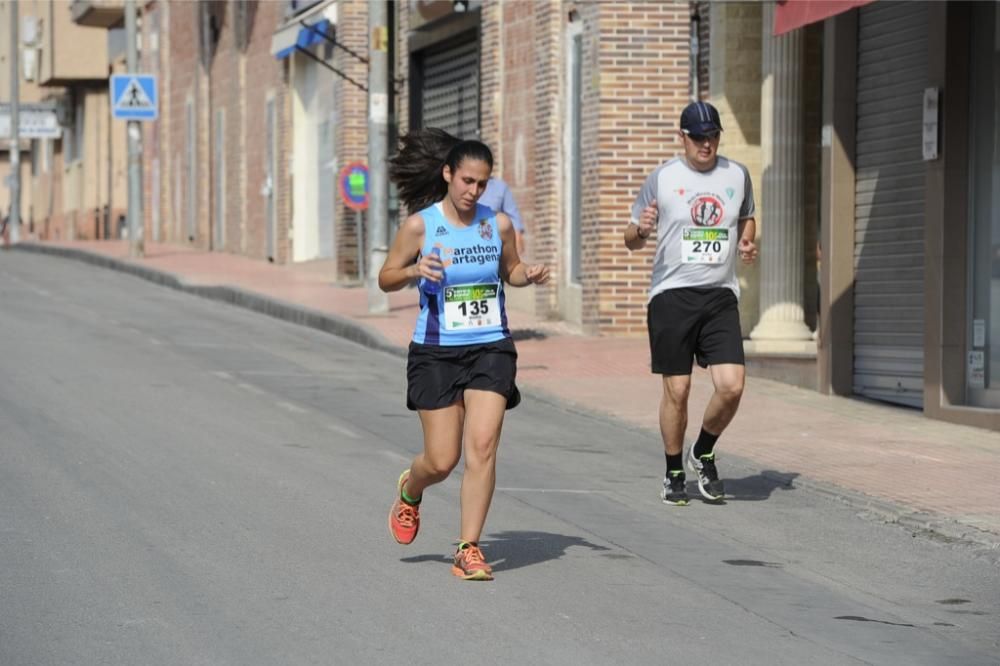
[{"x": 889, "y": 215}]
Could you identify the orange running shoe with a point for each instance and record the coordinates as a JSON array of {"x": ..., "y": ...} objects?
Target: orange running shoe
[
  {"x": 470, "y": 564},
  {"x": 404, "y": 519}
]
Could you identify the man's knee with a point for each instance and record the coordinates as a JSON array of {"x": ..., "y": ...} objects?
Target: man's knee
[
  {"x": 676, "y": 389},
  {"x": 730, "y": 392}
]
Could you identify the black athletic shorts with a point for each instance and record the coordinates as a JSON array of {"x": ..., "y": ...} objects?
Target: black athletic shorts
[
  {"x": 437, "y": 376},
  {"x": 693, "y": 322}
]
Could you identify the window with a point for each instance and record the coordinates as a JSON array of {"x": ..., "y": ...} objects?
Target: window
[{"x": 73, "y": 137}]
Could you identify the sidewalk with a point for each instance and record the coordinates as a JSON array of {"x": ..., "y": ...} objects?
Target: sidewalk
[{"x": 923, "y": 473}]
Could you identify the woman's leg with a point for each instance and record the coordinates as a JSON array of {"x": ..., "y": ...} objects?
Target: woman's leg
[
  {"x": 442, "y": 448},
  {"x": 484, "y": 412}
]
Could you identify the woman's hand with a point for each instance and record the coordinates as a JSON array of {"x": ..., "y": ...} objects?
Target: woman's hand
[
  {"x": 430, "y": 267},
  {"x": 536, "y": 274}
]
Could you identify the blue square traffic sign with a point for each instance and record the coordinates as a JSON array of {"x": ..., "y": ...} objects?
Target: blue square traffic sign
[{"x": 133, "y": 97}]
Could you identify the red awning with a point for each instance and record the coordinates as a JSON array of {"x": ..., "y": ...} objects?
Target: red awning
[{"x": 792, "y": 14}]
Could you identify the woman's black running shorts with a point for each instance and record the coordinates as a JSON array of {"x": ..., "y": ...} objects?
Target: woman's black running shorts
[{"x": 437, "y": 376}]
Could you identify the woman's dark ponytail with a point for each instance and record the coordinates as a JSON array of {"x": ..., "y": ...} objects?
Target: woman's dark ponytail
[{"x": 416, "y": 168}]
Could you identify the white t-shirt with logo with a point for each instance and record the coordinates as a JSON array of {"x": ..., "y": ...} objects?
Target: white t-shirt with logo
[{"x": 697, "y": 227}]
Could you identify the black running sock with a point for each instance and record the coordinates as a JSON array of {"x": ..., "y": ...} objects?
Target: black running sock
[
  {"x": 705, "y": 444},
  {"x": 675, "y": 463}
]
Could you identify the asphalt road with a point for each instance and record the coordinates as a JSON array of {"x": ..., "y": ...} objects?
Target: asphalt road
[{"x": 185, "y": 482}]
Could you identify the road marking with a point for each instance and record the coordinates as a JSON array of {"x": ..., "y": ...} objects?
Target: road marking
[
  {"x": 347, "y": 432},
  {"x": 205, "y": 345},
  {"x": 290, "y": 407},
  {"x": 279, "y": 373},
  {"x": 222, "y": 374},
  {"x": 571, "y": 491},
  {"x": 251, "y": 388},
  {"x": 397, "y": 457}
]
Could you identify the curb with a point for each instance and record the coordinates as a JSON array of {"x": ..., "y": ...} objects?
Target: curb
[
  {"x": 272, "y": 307},
  {"x": 941, "y": 528}
]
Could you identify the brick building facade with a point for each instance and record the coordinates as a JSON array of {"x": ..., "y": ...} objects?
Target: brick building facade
[
  {"x": 578, "y": 101},
  {"x": 633, "y": 69},
  {"x": 219, "y": 83}
]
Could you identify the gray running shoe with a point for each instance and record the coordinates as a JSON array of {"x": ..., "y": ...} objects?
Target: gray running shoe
[
  {"x": 709, "y": 485},
  {"x": 674, "y": 492}
]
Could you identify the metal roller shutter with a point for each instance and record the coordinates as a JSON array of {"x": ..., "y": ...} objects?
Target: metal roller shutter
[
  {"x": 450, "y": 95},
  {"x": 889, "y": 213}
]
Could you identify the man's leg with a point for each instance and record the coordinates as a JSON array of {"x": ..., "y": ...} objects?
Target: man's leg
[
  {"x": 673, "y": 425},
  {"x": 728, "y": 379},
  {"x": 674, "y": 412},
  {"x": 671, "y": 319}
]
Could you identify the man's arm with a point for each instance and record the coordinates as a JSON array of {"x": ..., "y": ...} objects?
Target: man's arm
[
  {"x": 746, "y": 247},
  {"x": 636, "y": 234},
  {"x": 747, "y": 226},
  {"x": 644, "y": 214},
  {"x": 509, "y": 206}
]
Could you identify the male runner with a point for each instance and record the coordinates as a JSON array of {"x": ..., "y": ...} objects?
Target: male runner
[
  {"x": 498, "y": 198},
  {"x": 701, "y": 207}
]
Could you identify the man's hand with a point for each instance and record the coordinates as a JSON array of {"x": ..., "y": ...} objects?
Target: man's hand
[
  {"x": 647, "y": 220},
  {"x": 747, "y": 250}
]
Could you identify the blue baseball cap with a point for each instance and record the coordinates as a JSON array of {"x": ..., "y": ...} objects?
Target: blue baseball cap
[{"x": 700, "y": 118}]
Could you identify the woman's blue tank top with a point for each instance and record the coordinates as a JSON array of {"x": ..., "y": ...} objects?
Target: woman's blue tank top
[{"x": 469, "y": 308}]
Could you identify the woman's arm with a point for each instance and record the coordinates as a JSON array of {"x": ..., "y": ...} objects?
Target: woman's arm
[
  {"x": 401, "y": 266},
  {"x": 515, "y": 272}
]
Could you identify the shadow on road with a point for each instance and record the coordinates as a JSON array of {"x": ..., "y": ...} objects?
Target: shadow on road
[
  {"x": 506, "y": 551},
  {"x": 758, "y": 487}
]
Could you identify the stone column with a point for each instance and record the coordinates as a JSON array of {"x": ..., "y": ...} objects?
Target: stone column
[
  {"x": 734, "y": 88},
  {"x": 782, "y": 145}
]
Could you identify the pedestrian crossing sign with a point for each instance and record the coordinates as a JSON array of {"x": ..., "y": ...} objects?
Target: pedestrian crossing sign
[{"x": 133, "y": 97}]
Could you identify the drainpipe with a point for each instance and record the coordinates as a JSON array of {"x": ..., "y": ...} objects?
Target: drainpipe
[
  {"x": 111, "y": 173},
  {"x": 695, "y": 83},
  {"x": 136, "y": 217},
  {"x": 14, "y": 221},
  {"x": 206, "y": 46}
]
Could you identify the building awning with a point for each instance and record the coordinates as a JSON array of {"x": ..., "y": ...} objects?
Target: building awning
[
  {"x": 304, "y": 29},
  {"x": 97, "y": 13},
  {"x": 792, "y": 14}
]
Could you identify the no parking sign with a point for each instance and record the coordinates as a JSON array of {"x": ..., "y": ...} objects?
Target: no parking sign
[{"x": 353, "y": 185}]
